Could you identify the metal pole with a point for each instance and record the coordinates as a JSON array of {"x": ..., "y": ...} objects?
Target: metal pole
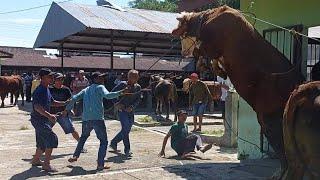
[
  {"x": 134, "y": 59},
  {"x": 111, "y": 49},
  {"x": 0, "y": 65},
  {"x": 62, "y": 54}
]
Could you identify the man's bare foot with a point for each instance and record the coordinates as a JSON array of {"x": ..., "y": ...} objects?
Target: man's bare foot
[
  {"x": 73, "y": 159},
  {"x": 101, "y": 168},
  {"x": 206, "y": 148},
  {"x": 49, "y": 168}
]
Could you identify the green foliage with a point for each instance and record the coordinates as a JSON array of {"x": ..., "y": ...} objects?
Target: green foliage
[
  {"x": 146, "y": 119},
  {"x": 24, "y": 128},
  {"x": 166, "y": 5},
  {"x": 214, "y": 132}
]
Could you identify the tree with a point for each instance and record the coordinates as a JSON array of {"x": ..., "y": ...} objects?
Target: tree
[
  {"x": 166, "y": 5},
  {"x": 171, "y": 5}
]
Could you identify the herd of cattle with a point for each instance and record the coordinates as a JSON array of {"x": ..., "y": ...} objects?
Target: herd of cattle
[{"x": 166, "y": 90}]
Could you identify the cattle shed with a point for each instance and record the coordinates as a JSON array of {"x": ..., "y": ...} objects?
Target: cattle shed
[
  {"x": 31, "y": 60},
  {"x": 109, "y": 29},
  {"x": 4, "y": 54}
]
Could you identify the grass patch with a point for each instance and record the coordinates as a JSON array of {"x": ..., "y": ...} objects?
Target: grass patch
[
  {"x": 135, "y": 129},
  {"x": 146, "y": 119},
  {"x": 24, "y": 128},
  {"x": 215, "y": 132}
]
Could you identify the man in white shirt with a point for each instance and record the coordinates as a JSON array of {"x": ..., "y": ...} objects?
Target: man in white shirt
[{"x": 225, "y": 85}]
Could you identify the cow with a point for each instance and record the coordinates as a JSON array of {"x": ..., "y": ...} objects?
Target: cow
[
  {"x": 301, "y": 131},
  {"x": 261, "y": 74},
  {"x": 165, "y": 93},
  {"x": 13, "y": 85}
]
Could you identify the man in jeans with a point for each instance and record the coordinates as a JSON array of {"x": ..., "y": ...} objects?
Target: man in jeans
[
  {"x": 93, "y": 116},
  {"x": 42, "y": 121},
  {"x": 199, "y": 96},
  {"x": 126, "y": 106}
]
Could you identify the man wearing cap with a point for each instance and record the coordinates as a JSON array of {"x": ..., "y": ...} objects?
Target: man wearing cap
[
  {"x": 199, "y": 96},
  {"x": 62, "y": 93},
  {"x": 42, "y": 120},
  {"x": 93, "y": 116},
  {"x": 79, "y": 83},
  {"x": 181, "y": 142}
]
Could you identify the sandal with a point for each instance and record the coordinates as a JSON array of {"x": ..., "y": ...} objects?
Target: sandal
[
  {"x": 37, "y": 163},
  {"x": 73, "y": 159},
  {"x": 101, "y": 168}
]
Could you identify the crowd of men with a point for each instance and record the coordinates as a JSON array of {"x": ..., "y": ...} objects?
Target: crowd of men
[{"x": 53, "y": 102}]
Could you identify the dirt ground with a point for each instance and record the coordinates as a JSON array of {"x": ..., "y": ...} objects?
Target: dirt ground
[{"x": 17, "y": 145}]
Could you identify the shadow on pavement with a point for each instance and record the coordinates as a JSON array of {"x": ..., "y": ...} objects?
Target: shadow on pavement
[
  {"x": 27, "y": 107},
  {"x": 119, "y": 159},
  {"x": 76, "y": 171},
  {"x": 192, "y": 157},
  {"x": 30, "y": 173},
  {"x": 52, "y": 157},
  {"x": 255, "y": 169}
]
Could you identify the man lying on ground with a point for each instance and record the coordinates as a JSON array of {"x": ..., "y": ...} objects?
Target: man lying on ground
[{"x": 181, "y": 142}]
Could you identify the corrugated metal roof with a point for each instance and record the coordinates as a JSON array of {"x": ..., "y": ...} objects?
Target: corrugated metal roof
[
  {"x": 88, "y": 27},
  {"x": 129, "y": 20}
]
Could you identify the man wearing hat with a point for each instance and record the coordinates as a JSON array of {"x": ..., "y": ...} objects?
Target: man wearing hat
[
  {"x": 93, "y": 116},
  {"x": 199, "y": 96},
  {"x": 42, "y": 120},
  {"x": 62, "y": 93},
  {"x": 79, "y": 83},
  {"x": 182, "y": 143}
]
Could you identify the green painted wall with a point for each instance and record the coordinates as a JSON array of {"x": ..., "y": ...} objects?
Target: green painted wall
[{"x": 283, "y": 12}]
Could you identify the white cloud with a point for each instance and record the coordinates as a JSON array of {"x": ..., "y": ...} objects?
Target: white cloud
[{"x": 24, "y": 21}]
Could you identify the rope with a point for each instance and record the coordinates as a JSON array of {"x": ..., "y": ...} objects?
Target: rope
[{"x": 292, "y": 31}]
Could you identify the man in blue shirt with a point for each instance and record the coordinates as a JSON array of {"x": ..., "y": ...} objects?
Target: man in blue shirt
[
  {"x": 93, "y": 116},
  {"x": 42, "y": 120},
  {"x": 126, "y": 106}
]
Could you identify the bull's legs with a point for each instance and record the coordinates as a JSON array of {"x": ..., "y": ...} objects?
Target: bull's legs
[
  {"x": 16, "y": 96},
  {"x": 167, "y": 106},
  {"x": 273, "y": 131},
  {"x": 157, "y": 107},
  {"x": 11, "y": 98},
  {"x": 22, "y": 97},
  {"x": 2, "y": 99}
]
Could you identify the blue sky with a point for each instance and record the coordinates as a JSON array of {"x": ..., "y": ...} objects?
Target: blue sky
[{"x": 21, "y": 29}]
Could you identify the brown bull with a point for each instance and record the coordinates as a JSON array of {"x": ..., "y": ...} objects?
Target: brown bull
[
  {"x": 13, "y": 85},
  {"x": 262, "y": 75},
  {"x": 301, "y": 130},
  {"x": 165, "y": 93}
]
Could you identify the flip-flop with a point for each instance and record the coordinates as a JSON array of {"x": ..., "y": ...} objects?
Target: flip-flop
[
  {"x": 73, "y": 159},
  {"x": 101, "y": 168},
  {"x": 37, "y": 164}
]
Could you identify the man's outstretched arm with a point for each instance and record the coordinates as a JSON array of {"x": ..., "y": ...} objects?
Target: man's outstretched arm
[{"x": 165, "y": 140}]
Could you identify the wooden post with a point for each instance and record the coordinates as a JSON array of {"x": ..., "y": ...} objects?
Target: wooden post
[
  {"x": 111, "y": 51},
  {"x": 62, "y": 57}
]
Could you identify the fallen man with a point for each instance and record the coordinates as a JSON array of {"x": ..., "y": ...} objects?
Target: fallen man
[{"x": 181, "y": 142}]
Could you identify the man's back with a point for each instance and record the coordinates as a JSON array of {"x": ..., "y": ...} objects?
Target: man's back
[{"x": 93, "y": 101}]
